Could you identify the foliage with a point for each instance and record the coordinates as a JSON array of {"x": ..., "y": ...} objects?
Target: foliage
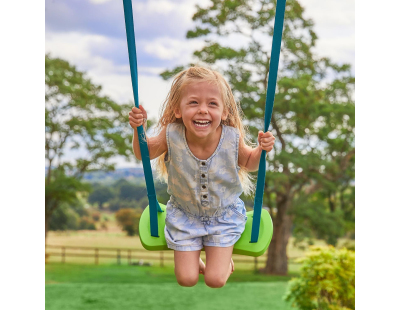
[
  {"x": 131, "y": 191},
  {"x": 128, "y": 219},
  {"x": 101, "y": 195},
  {"x": 64, "y": 218},
  {"x": 87, "y": 223},
  {"x": 128, "y": 195},
  {"x": 96, "y": 216},
  {"x": 77, "y": 114},
  {"x": 117, "y": 204},
  {"x": 315, "y": 220},
  {"x": 63, "y": 190},
  {"x": 313, "y": 118},
  {"x": 327, "y": 281}
]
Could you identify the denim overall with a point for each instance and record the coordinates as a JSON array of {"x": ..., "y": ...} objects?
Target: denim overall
[{"x": 204, "y": 208}]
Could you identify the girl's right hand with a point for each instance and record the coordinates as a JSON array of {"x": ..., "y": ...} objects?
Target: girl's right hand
[{"x": 137, "y": 117}]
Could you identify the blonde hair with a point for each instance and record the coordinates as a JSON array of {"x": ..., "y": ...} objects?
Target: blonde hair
[{"x": 235, "y": 115}]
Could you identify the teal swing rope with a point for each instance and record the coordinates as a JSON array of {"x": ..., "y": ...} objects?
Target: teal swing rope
[
  {"x": 144, "y": 151},
  {"x": 269, "y": 104}
]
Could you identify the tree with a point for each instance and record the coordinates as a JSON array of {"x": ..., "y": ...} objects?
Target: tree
[
  {"x": 78, "y": 117},
  {"x": 101, "y": 195},
  {"x": 313, "y": 118},
  {"x": 128, "y": 219}
]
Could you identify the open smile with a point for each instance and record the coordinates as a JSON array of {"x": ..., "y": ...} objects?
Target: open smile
[{"x": 202, "y": 124}]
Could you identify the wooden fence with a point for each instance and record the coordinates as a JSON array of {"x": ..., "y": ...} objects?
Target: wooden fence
[{"x": 131, "y": 255}]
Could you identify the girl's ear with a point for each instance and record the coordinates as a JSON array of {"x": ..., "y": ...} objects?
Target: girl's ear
[
  {"x": 224, "y": 115},
  {"x": 178, "y": 113}
]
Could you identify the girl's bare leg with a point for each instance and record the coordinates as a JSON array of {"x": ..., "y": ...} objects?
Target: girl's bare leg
[
  {"x": 202, "y": 266},
  {"x": 187, "y": 267},
  {"x": 219, "y": 265}
]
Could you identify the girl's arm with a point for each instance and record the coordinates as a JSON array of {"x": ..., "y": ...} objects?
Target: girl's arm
[
  {"x": 249, "y": 158},
  {"x": 157, "y": 145}
]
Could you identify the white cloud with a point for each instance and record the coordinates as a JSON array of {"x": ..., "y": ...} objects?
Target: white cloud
[
  {"x": 99, "y": 1},
  {"x": 171, "y": 49},
  {"x": 335, "y": 26},
  {"x": 115, "y": 79}
]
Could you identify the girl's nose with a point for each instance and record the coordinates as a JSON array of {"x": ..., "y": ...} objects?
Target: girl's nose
[{"x": 203, "y": 109}]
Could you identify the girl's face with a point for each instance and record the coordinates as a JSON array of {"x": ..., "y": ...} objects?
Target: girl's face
[{"x": 201, "y": 109}]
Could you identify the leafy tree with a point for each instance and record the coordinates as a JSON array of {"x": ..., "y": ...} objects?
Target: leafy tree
[
  {"x": 86, "y": 223},
  {"x": 101, "y": 195},
  {"x": 77, "y": 116},
  {"x": 132, "y": 192},
  {"x": 117, "y": 204},
  {"x": 128, "y": 219},
  {"x": 64, "y": 218},
  {"x": 313, "y": 118},
  {"x": 326, "y": 282}
]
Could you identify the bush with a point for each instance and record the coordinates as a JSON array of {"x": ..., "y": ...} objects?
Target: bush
[
  {"x": 128, "y": 219},
  {"x": 327, "y": 280},
  {"x": 86, "y": 223},
  {"x": 64, "y": 218},
  {"x": 96, "y": 216},
  {"x": 117, "y": 204}
]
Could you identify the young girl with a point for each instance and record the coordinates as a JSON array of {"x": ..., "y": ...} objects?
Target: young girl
[{"x": 203, "y": 155}]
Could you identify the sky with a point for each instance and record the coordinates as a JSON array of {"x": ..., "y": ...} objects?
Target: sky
[{"x": 90, "y": 34}]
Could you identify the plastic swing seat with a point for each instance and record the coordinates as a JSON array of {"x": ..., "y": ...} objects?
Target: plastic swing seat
[
  {"x": 243, "y": 246},
  {"x": 257, "y": 235}
]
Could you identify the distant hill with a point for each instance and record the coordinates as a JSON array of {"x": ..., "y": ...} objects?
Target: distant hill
[
  {"x": 133, "y": 174},
  {"x": 121, "y": 173}
]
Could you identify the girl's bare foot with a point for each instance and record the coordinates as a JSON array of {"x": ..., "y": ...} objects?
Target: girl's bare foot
[{"x": 202, "y": 266}]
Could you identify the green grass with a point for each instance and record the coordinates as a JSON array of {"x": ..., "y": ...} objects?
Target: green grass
[{"x": 71, "y": 286}]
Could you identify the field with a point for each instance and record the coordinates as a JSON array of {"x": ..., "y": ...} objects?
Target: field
[
  {"x": 79, "y": 284},
  {"x": 74, "y": 286}
]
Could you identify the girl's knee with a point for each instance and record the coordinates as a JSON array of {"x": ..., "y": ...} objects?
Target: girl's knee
[
  {"x": 187, "y": 280},
  {"x": 215, "y": 281}
]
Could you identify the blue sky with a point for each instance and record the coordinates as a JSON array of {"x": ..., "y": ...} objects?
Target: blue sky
[{"x": 91, "y": 35}]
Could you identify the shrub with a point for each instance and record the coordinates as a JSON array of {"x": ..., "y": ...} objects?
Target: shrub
[
  {"x": 86, "y": 223},
  {"x": 128, "y": 219},
  {"x": 96, "y": 216},
  {"x": 117, "y": 204},
  {"x": 327, "y": 280},
  {"x": 64, "y": 218}
]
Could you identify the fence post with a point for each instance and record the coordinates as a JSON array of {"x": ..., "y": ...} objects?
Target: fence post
[
  {"x": 119, "y": 256},
  {"x": 96, "y": 256},
  {"x": 162, "y": 259},
  {"x": 63, "y": 255},
  {"x": 129, "y": 257}
]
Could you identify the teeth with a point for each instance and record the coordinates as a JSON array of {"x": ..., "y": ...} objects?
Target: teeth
[{"x": 202, "y": 123}]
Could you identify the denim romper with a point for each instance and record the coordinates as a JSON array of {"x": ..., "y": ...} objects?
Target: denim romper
[{"x": 204, "y": 208}]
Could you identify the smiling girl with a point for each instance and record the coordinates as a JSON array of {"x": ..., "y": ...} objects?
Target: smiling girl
[{"x": 203, "y": 153}]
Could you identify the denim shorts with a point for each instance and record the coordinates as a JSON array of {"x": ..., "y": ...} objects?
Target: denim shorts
[{"x": 188, "y": 232}]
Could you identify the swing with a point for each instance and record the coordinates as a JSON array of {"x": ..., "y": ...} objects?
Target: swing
[{"x": 258, "y": 230}]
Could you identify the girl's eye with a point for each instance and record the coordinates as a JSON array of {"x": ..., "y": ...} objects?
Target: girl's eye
[
  {"x": 213, "y": 103},
  {"x": 194, "y": 102}
]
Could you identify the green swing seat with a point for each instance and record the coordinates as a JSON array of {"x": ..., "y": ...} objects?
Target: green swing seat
[
  {"x": 258, "y": 230},
  {"x": 243, "y": 246}
]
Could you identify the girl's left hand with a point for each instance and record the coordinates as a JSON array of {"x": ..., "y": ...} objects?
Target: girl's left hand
[{"x": 266, "y": 140}]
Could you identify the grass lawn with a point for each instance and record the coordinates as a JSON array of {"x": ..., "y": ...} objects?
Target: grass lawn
[{"x": 73, "y": 286}]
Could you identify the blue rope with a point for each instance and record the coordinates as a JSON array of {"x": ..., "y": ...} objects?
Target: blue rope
[
  {"x": 144, "y": 151},
  {"x": 269, "y": 104}
]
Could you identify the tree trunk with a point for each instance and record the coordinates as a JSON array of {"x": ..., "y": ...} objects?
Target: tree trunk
[
  {"x": 277, "y": 260},
  {"x": 46, "y": 226}
]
